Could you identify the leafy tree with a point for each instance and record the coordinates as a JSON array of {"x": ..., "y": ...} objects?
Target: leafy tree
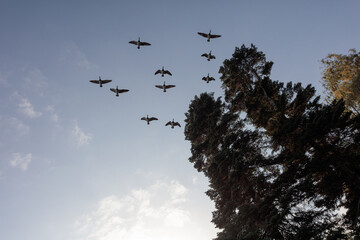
[
  {"x": 341, "y": 78},
  {"x": 280, "y": 164}
]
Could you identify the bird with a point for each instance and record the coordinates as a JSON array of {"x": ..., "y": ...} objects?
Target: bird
[
  {"x": 164, "y": 87},
  {"x": 162, "y": 72},
  {"x": 101, "y": 82},
  {"x": 173, "y": 124},
  {"x": 148, "y": 120},
  {"x": 117, "y": 90},
  {"x": 138, "y": 43},
  {"x": 208, "y": 56},
  {"x": 209, "y": 35},
  {"x": 208, "y": 78}
]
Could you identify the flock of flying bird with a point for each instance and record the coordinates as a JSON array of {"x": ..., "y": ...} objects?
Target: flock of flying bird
[{"x": 162, "y": 71}]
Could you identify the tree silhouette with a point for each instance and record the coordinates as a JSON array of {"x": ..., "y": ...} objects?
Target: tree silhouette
[{"x": 280, "y": 164}]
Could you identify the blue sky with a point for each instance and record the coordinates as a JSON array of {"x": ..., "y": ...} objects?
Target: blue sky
[{"x": 76, "y": 162}]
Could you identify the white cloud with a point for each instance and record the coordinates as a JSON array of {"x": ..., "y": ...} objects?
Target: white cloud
[
  {"x": 21, "y": 161},
  {"x": 19, "y": 126},
  {"x": 177, "y": 191},
  {"x": 74, "y": 54},
  {"x": 13, "y": 126},
  {"x": 27, "y": 108},
  {"x": 54, "y": 117},
  {"x": 36, "y": 80},
  {"x": 176, "y": 218},
  {"x": 195, "y": 180},
  {"x": 80, "y": 137},
  {"x": 152, "y": 213}
]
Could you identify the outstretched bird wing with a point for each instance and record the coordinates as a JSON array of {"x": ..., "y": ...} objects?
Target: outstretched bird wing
[
  {"x": 143, "y": 118},
  {"x": 169, "y": 86},
  {"x": 204, "y": 78},
  {"x": 144, "y": 44},
  {"x": 168, "y": 123},
  {"x": 203, "y": 34},
  {"x": 214, "y": 36},
  {"x": 211, "y": 79},
  {"x": 95, "y": 81},
  {"x": 177, "y": 124},
  {"x": 159, "y": 86},
  {"x": 105, "y": 81},
  {"x": 133, "y": 42},
  {"x": 205, "y": 55},
  {"x": 123, "y": 90},
  {"x": 167, "y": 72},
  {"x": 157, "y": 72},
  {"x": 153, "y": 118},
  {"x": 113, "y": 90},
  {"x": 212, "y": 57}
]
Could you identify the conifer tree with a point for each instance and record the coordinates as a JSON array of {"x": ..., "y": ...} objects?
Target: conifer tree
[{"x": 280, "y": 164}]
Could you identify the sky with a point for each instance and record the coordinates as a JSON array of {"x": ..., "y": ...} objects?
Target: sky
[{"x": 76, "y": 162}]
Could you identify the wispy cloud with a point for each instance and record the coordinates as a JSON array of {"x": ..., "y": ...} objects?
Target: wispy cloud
[
  {"x": 79, "y": 136},
  {"x": 194, "y": 179},
  {"x": 157, "y": 212},
  {"x": 27, "y": 109},
  {"x": 21, "y": 161},
  {"x": 36, "y": 78},
  {"x": 3, "y": 79},
  {"x": 13, "y": 126},
  {"x": 54, "y": 117},
  {"x": 73, "y": 53},
  {"x": 20, "y": 127}
]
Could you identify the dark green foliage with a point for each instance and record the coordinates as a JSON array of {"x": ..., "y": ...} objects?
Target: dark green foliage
[{"x": 279, "y": 163}]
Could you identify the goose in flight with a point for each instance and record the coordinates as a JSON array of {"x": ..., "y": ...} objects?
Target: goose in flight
[
  {"x": 101, "y": 82},
  {"x": 117, "y": 90},
  {"x": 209, "y": 35},
  {"x": 172, "y": 124},
  {"x": 208, "y": 78},
  {"x": 138, "y": 43},
  {"x": 148, "y": 120},
  {"x": 208, "y": 56},
  {"x": 162, "y": 72},
  {"x": 164, "y": 87}
]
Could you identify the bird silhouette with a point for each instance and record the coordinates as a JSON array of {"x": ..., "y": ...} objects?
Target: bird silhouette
[
  {"x": 208, "y": 79},
  {"x": 148, "y": 120},
  {"x": 172, "y": 124},
  {"x": 208, "y": 56},
  {"x": 117, "y": 90},
  {"x": 138, "y": 43},
  {"x": 209, "y": 35},
  {"x": 100, "y": 81},
  {"x": 164, "y": 86},
  {"x": 162, "y": 72}
]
